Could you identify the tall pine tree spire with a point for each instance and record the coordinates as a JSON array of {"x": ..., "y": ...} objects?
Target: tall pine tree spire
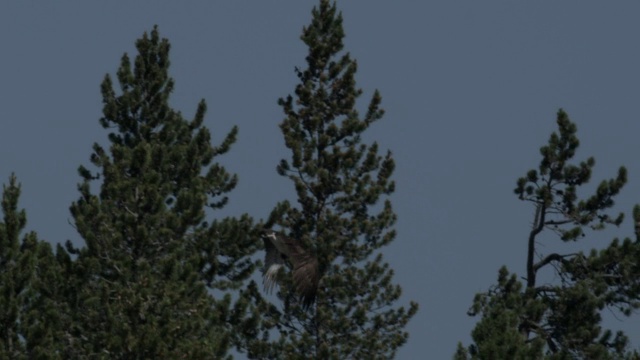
[
  {"x": 29, "y": 323},
  {"x": 16, "y": 270},
  {"x": 150, "y": 254},
  {"x": 343, "y": 216}
]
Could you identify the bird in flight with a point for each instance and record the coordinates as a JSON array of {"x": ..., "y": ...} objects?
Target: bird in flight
[{"x": 281, "y": 250}]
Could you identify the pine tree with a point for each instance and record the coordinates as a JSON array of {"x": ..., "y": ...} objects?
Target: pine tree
[
  {"x": 560, "y": 317},
  {"x": 16, "y": 269},
  {"x": 344, "y": 216},
  {"x": 150, "y": 259},
  {"x": 28, "y": 327}
]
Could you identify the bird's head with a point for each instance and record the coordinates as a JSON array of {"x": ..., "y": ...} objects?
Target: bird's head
[{"x": 268, "y": 234}]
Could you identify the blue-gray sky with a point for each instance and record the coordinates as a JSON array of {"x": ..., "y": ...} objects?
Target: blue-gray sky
[{"x": 470, "y": 90}]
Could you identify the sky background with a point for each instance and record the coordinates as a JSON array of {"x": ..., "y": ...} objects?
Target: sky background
[{"x": 470, "y": 89}]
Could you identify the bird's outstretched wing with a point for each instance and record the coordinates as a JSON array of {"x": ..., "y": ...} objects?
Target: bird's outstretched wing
[
  {"x": 273, "y": 261},
  {"x": 306, "y": 274},
  {"x": 305, "y": 278}
]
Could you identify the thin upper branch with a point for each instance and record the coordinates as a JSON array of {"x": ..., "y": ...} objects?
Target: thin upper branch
[{"x": 552, "y": 257}]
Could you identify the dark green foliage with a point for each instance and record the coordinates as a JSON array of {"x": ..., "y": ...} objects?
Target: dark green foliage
[
  {"x": 50, "y": 317},
  {"x": 16, "y": 271},
  {"x": 561, "y": 319},
  {"x": 343, "y": 217},
  {"x": 27, "y": 319},
  {"x": 150, "y": 255}
]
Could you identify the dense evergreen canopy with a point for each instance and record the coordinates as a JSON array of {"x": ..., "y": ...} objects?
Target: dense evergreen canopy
[{"x": 161, "y": 274}]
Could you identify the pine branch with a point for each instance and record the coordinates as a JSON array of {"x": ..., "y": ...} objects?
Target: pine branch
[{"x": 553, "y": 257}]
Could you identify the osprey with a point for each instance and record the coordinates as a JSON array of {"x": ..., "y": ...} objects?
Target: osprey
[{"x": 281, "y": 249}]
